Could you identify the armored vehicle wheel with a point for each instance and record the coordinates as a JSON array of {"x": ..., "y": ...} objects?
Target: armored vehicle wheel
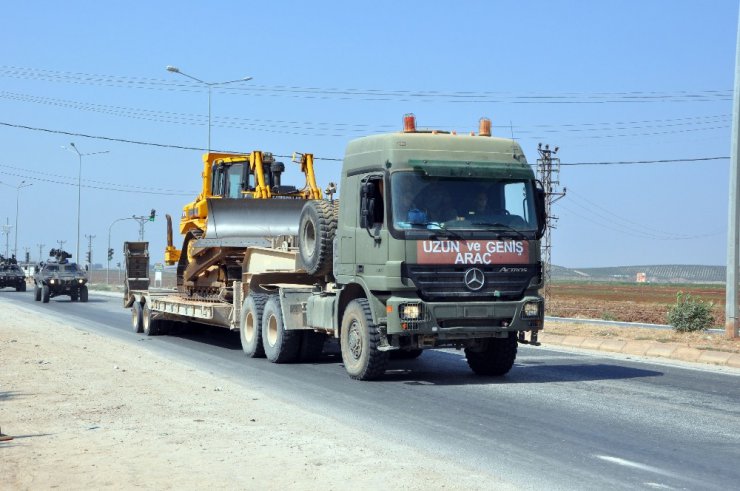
[
  {"x": 45, "y": 294},
  {"x": 494, "y": 357},
  {"x": 406, "y": 354},
  {"x": 83, "y": 293},
  {"x": 250, "y": 325},
  {"x": 136, "y": 317},
  {"x": 36, "y": 293},
  {"x": 74, "y": 296},
  {"x": 312, "y": 345},
  {"x": 280, "y": 346},
  {"x": 359, "y": 340},
  {"x": 316, "y": 229},
  {"x": 21, "y": 287},
  {"x": 150, "y": 326}
]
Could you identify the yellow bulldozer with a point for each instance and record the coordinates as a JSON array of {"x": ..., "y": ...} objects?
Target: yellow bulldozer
[{"x": 242, "y": 203}]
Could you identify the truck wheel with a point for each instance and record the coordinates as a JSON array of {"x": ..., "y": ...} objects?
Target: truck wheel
[
  {"x": 21, "y": 287},
  {"x": 406, "y": 354},
  {"x": 136, "y": 317},
  {"x": 359, "y": 340},
  {"x": 280, "y": 346},
  {"x": 312, "y": 345},
  {"x": 149, "y": 325},
  {"x": 494, "y": 357},
  {"x": 45, "y": 294},
  {"x": 74, "y": 296},
  {"x": 36, "y": 293},
  {"x": 316, "y": 229},
  {"x": 250, "y": 325},
  {"x": 83, "y": 293}
]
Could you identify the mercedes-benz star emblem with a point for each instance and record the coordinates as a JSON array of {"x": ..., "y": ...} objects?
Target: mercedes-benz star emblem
[{"x": 474, "y": 279}]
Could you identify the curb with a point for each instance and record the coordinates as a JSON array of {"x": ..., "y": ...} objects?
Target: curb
[{"x": 651, "y": 349}]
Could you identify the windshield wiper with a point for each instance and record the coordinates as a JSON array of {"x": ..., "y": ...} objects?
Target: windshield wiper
[
  {"x": 444, "y": 232},
  {"x": 492, "y": 225}
]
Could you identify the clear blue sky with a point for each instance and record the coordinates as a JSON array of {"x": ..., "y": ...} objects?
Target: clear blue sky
[{"x": 605, "y": 81}]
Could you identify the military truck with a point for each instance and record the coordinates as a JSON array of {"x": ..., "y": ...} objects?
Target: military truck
[
  {"x": 436, "y": 243},
  {"x": 11, "y": 275},
  {"x": 58, "y": 277}
]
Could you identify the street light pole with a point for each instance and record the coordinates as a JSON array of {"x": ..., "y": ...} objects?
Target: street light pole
[
  {"x": 22, "y": 185},
  {"x": 79, "y": 192},
  {"x": 209, "y": 85}
]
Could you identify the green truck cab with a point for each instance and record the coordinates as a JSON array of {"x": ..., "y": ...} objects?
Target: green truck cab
[{"x": 440, "y": 233}]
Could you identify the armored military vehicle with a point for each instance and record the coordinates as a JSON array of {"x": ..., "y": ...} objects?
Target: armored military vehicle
[
  {"x": 58, "y": 276},
  {"x": 11, "y": 275}
]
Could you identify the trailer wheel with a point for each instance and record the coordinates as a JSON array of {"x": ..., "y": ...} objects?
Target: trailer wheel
[
  {"x": 45, "y": 294},
  {"x": 316, "y": 230},
  {"x": 136, "y": 317},
  {"x": 83, "y": 293},
  {"x": 312, "y": 345},
  {"x": 281, "y": 346},
  {"x": 359, "y": 340},
  {"x": 149, "y": 325},
  {"x": 250, "y": 325},
  {"x": 36, "y": 293},
  {"x": 494, "y": 357}
]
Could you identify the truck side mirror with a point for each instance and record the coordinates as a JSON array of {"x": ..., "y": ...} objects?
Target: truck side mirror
[
  {"x": 367, "y": 205},
  {"x": 541, "y": 214}
]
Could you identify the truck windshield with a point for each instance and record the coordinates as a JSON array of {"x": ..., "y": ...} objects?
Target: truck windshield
[{"x": 464, "y": 204}]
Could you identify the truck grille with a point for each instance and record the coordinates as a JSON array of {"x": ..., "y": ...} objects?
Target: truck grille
[{"x": 444, "y": 282}]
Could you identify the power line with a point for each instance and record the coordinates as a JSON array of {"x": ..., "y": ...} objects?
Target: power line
[
  {"x": 373, "y": 94},
  {"x": 332, "y": 159},
  {"x": 664, "y": 161}
]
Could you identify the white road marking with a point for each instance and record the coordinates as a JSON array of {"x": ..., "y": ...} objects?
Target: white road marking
[{"x": 634, "y": 465}]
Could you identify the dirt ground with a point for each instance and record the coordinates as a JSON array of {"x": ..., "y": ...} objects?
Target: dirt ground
[
  {"x": 648, "y": 303},
  {"x": 89, "y": 412},
  {"x": 698, "y": 340}
]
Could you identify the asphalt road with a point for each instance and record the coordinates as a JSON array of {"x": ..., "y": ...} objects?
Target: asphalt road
[{"x": 559, "y": 420}]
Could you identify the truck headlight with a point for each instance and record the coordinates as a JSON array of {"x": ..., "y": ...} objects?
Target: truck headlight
[
  {"x": 410, "y": 311},
  {"x": 80, "y": 281},
  {"x": 531, "y": 310},
  {"x": 51, "y": 282}
]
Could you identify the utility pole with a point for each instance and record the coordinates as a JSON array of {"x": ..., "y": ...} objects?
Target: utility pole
[
  {"x": 41, "y": 248},
  {"x": 89, "y": 250},
  {"x": 548, "y": 172},
  {"x": 142, "y": 221},
  {"x": 6, "y": 230},
  {"x": 732, "y": 323}
]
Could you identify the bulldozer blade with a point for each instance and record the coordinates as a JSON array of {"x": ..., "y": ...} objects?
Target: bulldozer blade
[{"x": 246, "y": 218}]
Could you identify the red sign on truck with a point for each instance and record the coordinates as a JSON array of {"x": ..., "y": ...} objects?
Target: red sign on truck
[{"x": 472, "y": 252}]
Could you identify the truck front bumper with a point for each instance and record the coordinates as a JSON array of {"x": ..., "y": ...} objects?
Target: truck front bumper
[{"x": 463, "y": 320}]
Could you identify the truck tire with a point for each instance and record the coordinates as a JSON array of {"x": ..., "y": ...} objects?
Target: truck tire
[
  {"x": 250, "y": 325},
  {"x": 149, "y": 325},
  {"x": 281, "y": 346},
  {"x": 360, "y": 340},
  {"x": 494, "y": 358},
  {"x": 36, "y": 293},
  {"x": 21, "y": 287},
  {"x": 136, "y": 317},
  {"x": 83, "y": 293},
  {"x": 312, "y": 345},
  {"x": 74, "y": 296},
  {"x": 316, "y": 229},
  {"x": 45, "y": 294}
]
